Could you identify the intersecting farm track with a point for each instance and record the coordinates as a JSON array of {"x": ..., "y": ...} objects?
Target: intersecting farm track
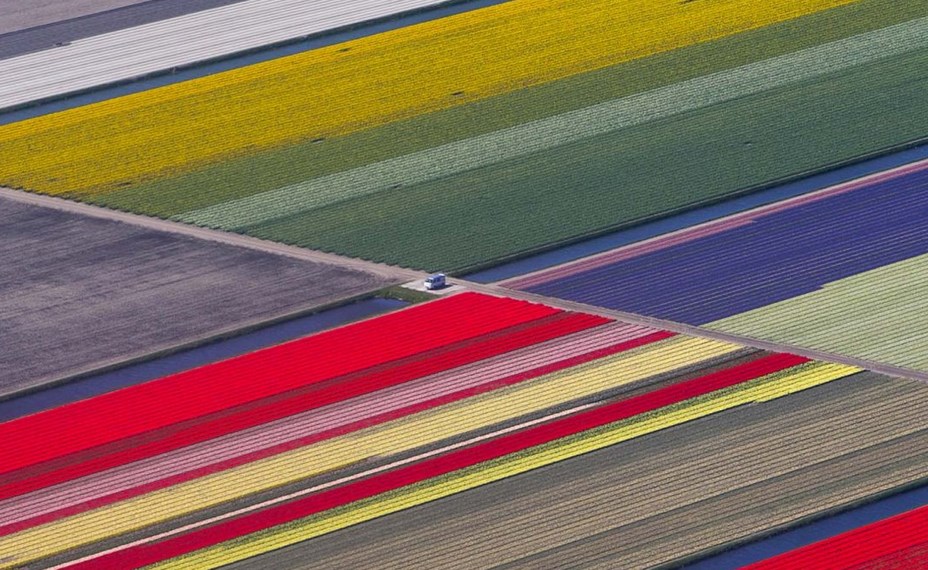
[
  {"x": 211, "y": 235},
  {"x": 399, "y": 272}
]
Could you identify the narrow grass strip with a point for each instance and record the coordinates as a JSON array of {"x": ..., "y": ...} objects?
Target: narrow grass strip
[
  {"x": 544, "y": 134},
  {"x": 767, "y": 388}
]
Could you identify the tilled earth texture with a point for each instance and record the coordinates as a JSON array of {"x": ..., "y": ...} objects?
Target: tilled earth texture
[
  {"x": 659, "y": 498},
  {"x": 78, "y": 293},
  {"x": 19, "y": 15}
]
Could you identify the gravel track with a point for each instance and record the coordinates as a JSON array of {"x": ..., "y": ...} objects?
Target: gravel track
[
  {"x": 387, "y": 272},
  {"x": 682, "y": 328}
]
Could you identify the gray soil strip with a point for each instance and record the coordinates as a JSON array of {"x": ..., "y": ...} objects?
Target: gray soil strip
[
  {"x": 18, "y": 15},
  {"x": 659, "y": 497},
  {"x": 737, "y": 513},
  {"x": 81, "y": 293},
  {"x": 34, "y": 25},
  {"x": 389, "y": 272}
]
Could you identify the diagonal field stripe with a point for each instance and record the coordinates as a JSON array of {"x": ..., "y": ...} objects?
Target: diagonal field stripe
[
  {"x": 384, "y": 440},
  {"x": 479, "y": 475},
  {"x": 154, "y": 417},
  {"x": 896, "y": 542},
  {"x": 222, "y": 448},
  {"x": 332, "y": 484},
  {"x": 540, "y": 446},
  {"x": 357, "y": 416},
  {"x": 543, "y": 134},
  {"x": 707, "y": 229}
]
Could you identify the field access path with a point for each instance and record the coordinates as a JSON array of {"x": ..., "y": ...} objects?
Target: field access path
[
  {"x": 394, "y": 272},
  {"x": 387, "y": 271}
]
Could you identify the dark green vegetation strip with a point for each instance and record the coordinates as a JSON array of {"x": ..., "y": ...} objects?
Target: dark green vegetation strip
[
  {"x": 269, "y": 170},
  {"x": 625, "y": 176}
]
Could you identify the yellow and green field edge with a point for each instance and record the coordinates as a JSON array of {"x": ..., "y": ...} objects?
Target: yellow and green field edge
[
  {"x": 253, "y": 173},
  {"x": 416, "y": 70}
]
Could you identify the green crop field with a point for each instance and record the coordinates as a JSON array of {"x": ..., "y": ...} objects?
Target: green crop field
[
  {"x": 542, "y": 166},
  {"x": 624, "y": 176},
  {"x": 249, "y": 175},
  {"x": 880, "y": 315}
]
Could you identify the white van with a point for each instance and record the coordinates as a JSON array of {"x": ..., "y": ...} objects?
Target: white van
[{"x": 436, "y": 281}]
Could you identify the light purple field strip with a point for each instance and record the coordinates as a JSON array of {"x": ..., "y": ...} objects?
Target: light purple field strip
[
  {"x": 707, "y": 229},
  {"x": 319, "y": 420}
]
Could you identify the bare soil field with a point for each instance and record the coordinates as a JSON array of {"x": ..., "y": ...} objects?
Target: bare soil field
[
  {"x": 33, "y": 25},
  {"x": 78, "y": 293},
  {"x": 18, "y": 15}
]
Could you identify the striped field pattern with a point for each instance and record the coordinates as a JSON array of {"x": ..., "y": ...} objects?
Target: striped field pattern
[
  {"x": 542, "y": 113},
  {"x": 654, "y": 500},
  {"x": 564, "y": 129},
  {"x": 643, "y": 407},
  {"x": 179, "y": 41},
  {"x": 840, "y": 270},
  {"x": 209, "y": 129},
  {"x": 342, "y": 427}
]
